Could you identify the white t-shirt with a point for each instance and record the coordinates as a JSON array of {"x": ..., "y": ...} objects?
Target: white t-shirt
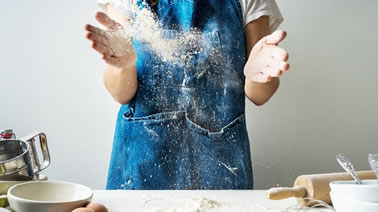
[{"x": 252, "y": 10}]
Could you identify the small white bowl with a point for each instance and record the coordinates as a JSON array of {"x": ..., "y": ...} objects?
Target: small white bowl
[
  {"x": 46, "y": 196},
  {"x": 342, "y": 204},
  {"x": 367, "y": 191}
]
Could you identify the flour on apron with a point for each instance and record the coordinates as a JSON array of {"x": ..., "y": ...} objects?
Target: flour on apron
[{"x": 185, "y": 128}]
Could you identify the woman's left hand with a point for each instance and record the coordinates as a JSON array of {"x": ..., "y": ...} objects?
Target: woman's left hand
[{"x": 266, "y": 59}]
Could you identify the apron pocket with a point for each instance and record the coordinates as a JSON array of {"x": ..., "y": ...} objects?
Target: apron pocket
[
  {"x": 222, "y": 159},
  {"x": 153, "y": 154}
]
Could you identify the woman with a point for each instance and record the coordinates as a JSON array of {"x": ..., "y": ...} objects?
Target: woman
[{"x": 183, "y": 126}]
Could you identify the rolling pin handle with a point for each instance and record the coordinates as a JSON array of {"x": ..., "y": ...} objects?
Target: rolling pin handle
[{"x": 284, "y": 192}]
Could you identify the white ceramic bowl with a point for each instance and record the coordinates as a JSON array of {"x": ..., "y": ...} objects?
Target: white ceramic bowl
[
  {"x": 48, "y": 196},
  {"x": 342, "y": 204},
  {"x": 368, "y": 191}
]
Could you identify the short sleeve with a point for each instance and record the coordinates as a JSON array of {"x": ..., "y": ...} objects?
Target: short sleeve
[
  {"x": 124, "y": 6},
  {"x": 253, "y": 9}
]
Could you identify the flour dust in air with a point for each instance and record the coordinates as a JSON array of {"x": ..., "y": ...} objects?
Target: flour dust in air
[{"x": 171, "y": 46}]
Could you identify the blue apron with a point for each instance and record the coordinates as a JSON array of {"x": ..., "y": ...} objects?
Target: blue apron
[{"x": 185, "y": 128}]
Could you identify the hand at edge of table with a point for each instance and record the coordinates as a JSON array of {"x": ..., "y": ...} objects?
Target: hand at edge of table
[{"x": 92, "y": 207}]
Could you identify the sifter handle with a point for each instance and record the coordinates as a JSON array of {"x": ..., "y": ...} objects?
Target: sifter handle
[
  {"x": 285, "y": 192},
  {"x": 37, "y": 166},
  {"x": 45, "y": 152}
]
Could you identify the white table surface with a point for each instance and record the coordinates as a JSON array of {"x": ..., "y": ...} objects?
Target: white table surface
[{"x": 190, "y": 201}]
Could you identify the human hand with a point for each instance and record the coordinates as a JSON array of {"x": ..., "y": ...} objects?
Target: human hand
[
  {"x": 113, "y": 44},
  {"x": 92, "y": 207},
  {"x": 266, "y": 59}
]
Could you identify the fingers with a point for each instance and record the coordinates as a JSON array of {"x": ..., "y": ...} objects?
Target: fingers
[
  {"x": 279, "y": 65},
  {"x": 276, "y": 67},
  {"x": 107, "y": 54},
  {"x": 280, "y": 53},
  {"x": 106, "y": 21},
  {"x": 262, "y": 78},
  {"x": 96, "y": 37},
  {"x": 274, "y": 70},
  {"x": 102, "y": 49},
  {"x": 267, "y": 75},
  {"x": 95, "y": 30},
  {"x": 276, "y": 37}
]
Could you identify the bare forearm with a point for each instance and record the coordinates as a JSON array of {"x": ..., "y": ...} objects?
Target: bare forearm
[
  {"x": 121, "y": 83},
  {"x": 260, "y": 93}
]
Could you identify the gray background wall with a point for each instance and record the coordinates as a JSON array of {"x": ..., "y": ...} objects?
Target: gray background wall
[{"x": 328, "y": 103}]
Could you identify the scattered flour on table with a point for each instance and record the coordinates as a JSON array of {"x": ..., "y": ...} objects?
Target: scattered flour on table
[{"x": 180, "y": 204}]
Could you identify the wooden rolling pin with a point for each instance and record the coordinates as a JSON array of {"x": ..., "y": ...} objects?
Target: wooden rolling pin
[{"x": 313, "y": 187}]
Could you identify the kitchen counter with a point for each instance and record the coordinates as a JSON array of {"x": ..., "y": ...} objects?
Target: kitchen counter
[{"x": 195, "y": 201}]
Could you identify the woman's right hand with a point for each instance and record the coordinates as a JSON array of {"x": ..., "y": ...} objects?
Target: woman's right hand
[{"x": 113, "y": 44}]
